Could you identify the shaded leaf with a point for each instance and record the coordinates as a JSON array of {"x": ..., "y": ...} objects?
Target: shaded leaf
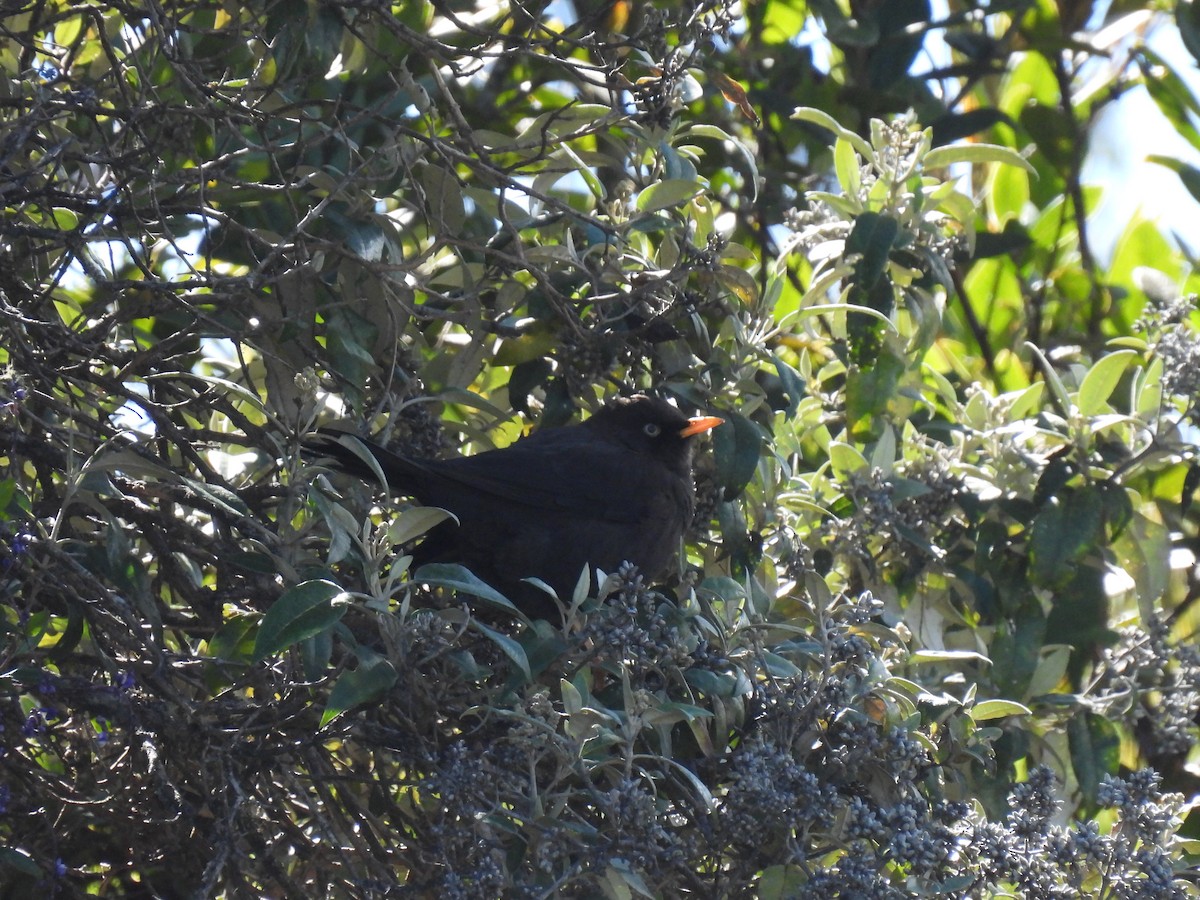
[
  {"x": 511, "y": 648},
  {"x": 793, "y": 385},
  {"x": 956, "y": 126},
  {"x": 525, "y": 379},
  {"x": 444, "y": 198},
  {"x": 1187, "y": 17},
  {"x": 1095, "y": 746},
  {"x": 234, "y": 641},
  {"x": 461, "y": 579},
  {"x": 1066, "y": 528},
  {"x": 300, "y": 612},
  {"x": 736, "y": 448},
  {"x": 1012, "y": 239},
  {"x": 373, "y": 678},
  {"x": 873, "y": 236},
  {"x": 740, "y": 282},
  {"x": 1191, "y": 481}
]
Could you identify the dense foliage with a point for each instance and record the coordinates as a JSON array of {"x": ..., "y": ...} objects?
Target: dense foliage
[{"x": 937, "y": 628}]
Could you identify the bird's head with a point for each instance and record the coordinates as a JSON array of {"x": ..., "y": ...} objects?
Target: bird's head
[{"x": 653, "y": 426}]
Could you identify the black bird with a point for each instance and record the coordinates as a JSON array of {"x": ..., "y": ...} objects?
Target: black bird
[{"x": 615, "y": 488}]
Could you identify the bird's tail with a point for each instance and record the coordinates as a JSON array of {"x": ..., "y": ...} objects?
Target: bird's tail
[{"x": 362, "y": 458}]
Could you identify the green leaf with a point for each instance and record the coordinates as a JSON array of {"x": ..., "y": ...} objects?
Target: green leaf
[
  {"x": 416, "y": 521},
  {"x": 883, "y": 458},
  {"x": 1101, "y": 380},
  {"x": 1191, "y": 481},
  {"x": 8, "y": 490},
  {"x": 1095, "y": 746},
  {"x": 998, "y": 709},
  {"x": 724, "y": 588},
  {"x": 1188, "y": 174},
  {"x": 1053, "y": 132},
  {"x": 713, "y": 684},
  {"x": 1057, "y": 390},
  {"x": 64, "y": 218},
  {"x": 675, "y": 165},
  {"x": 1027, "y": 402},
  {"x": 1171, "y": 93},
  {"x": 1145, "y": 552},
  {"x": 736, "y": 448},
  {"x": 1066, "y": 528},
  {"x": 234, "y": 641},
  {"x": 300, "y": 612},
  {"x": 956, "y": 126},
  {"x": 668, "y": 194},
  {"x": 1051, "y": 669},
  {"x": 869, "y": 393},
  {"x": 444, "y": 199},
  {"x": 461, "y": 579},
  {"x": 828, "y": 122},
  {"x": 367, "y": 458},
  {"x": 373, "y": 678},
  {"x": 572, "y": 697},
  {"x": 1079, "y": 616},
  {"x": 19, "y": 861},
  {"x": 1187, "y": 17},
  {"x": 315, "y": 654},
  {"x": 847, "y": 166},
  {"x": 670, "y": 712},
  {"x": 513, "y": 650},
  {"x": 584, "y": 171},
  {"x": 542, "y": 645},
  {"x": 793, "y": 385},
  {"x": 219, "y": 496},
  {"x": 748, "y": 155},
  {"x": 622, "y": 883},
  {"x": 975, "y": 154},
  {"x": 846, "y": 459},
  {"x": 873, "y": 236},
  {"x": 779, "y": 666},
  {"x": 364, "y": 237},
  {"x": 947, "y": 656},
  {"x": 349, "y": 338},
  {"x": 740, "y": 282}
]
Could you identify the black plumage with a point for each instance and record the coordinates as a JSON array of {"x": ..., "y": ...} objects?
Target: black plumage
[{"x": 615, "y": 488}]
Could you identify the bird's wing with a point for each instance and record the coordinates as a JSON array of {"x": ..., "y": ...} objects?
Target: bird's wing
[{"x": 572, "y": 474}]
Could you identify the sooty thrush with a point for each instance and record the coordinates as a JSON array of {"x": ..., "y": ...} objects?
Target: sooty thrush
[{"x": 615, "y": 488}]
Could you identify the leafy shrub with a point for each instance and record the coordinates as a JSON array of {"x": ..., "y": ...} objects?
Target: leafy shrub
[{"x": 936, "y": 634}]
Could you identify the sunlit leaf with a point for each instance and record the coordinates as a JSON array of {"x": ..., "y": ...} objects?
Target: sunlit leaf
[
  {"x": 998, "y": 709},
  {"x": 976, "y": 154},
  {"x": 1101, "y": 380},
  {"x": 667, "y": 194}
]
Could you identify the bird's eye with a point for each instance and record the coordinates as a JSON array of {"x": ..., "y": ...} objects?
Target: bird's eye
[{"x": 651, "y": 430}]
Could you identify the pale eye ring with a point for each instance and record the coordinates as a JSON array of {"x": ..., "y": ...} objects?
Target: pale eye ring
[{"x": 651, "y": 430}]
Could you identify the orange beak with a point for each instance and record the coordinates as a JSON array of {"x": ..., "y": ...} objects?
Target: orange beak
[{"x": 699, "y": 425}]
